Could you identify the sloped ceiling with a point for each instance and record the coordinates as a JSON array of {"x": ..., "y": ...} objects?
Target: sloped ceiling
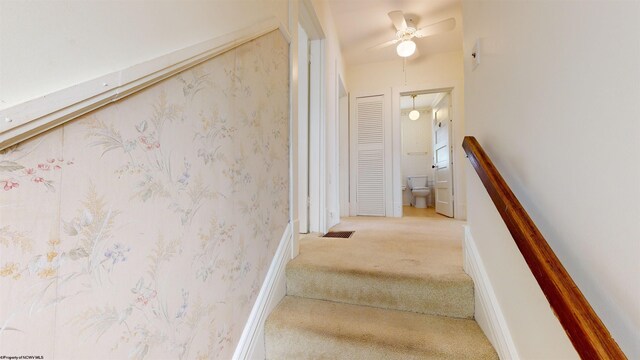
[{"x": 362, "y": 24}]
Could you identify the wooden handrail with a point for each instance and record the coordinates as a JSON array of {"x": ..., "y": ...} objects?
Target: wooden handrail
[{"x": 586, "y": 331}]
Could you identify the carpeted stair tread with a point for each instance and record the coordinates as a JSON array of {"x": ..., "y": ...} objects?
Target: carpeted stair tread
[
  {"x": 302, "y": 328},
  {"x": 415, "y": 274}
]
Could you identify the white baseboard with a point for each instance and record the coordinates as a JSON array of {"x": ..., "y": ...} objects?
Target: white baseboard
[
  {"x": 397, "y": 209},
  {"x": 488, "y": 313},
  {"x": 274, "y": 288}
]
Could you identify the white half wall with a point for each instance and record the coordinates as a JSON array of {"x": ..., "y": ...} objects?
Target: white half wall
[{"x": 555, "y": 103}]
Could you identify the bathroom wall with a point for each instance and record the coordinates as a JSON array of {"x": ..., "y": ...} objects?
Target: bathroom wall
[
  {"x": 417, "y": 148},
  {"x": 145, "y": 229}
]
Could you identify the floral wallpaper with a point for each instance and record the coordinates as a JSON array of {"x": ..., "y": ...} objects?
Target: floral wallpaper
[{"x": 144, "y": 230}]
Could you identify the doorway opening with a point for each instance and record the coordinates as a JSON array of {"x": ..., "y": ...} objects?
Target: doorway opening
[{"x": 426, "y": 171}]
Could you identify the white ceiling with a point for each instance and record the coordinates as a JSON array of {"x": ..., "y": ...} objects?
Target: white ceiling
[
  {"x": 362, "y": 24},
  {"x": 423, "y": 101}
]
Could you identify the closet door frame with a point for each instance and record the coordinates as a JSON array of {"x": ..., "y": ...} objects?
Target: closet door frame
[{"x": 388, "y": 151}]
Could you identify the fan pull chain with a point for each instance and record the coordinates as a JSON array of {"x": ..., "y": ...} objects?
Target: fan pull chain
[{"x": 404, "y": 70}]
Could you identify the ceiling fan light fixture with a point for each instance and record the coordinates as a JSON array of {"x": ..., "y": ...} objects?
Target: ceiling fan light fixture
[{"x": 406, "y": 48}]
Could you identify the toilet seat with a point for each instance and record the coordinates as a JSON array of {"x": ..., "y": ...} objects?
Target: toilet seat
[{"x": 420, "y": 192}]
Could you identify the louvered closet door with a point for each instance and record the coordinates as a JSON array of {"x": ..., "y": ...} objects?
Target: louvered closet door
[{"x": 370, "y": 156}]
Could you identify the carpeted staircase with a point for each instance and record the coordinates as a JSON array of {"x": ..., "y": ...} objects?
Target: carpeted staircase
[{"x": 396, "y": 290}]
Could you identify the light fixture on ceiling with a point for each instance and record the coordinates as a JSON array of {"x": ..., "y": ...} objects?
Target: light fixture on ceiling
[
  {"x": 414, "y": 114},
  {"x": 406, "y": 48},
  {"x": 407, "y": 31}
]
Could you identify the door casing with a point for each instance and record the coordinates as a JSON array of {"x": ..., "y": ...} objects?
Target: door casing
[
  {"x": 388, "y": 154},
  {"x": 457, "y": 134},
  {"x": 303, "y": 129}
]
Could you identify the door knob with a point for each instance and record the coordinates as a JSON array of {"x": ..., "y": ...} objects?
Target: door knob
[{"x": 433, "y": 166}]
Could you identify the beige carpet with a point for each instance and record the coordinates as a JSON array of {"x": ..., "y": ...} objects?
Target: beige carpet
[
  {"x": 395, "y": 290},
  {"x": 405, "y": 264},
  {"x": 314, "y": 329}
]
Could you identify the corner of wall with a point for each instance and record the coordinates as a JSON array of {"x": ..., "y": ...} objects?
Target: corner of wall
[{"x": 488, "y": 313}]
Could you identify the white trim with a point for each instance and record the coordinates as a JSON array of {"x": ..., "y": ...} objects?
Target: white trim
[
  {"x": 332, "y": 210},
  {"x": 303, "y": 129},
  {"x": 353, "y": 210},
  {"x": 456, "y": 131},
  {"x": 303, "y": 13},
  {"x": 317, "y": 126},
  {"x": 322, "y": 144},
  {"x": 388, "y": 150},
  {"x": 309, "y": 20},
  {"x": 293, "y": 122},
  {"x": 33, "y": 117},
  {"x": 342, "y": 150},
  {"x": 274, "y": 288},
  {"x": 397, "y": 153},
  {"x": 488, "y": 313},
  {"x": 388, "y": 153}
]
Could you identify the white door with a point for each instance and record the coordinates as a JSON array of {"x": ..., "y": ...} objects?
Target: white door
[
  {"x": 369, "y": 155},
  {"x": 303, "y": 130},
  {"x": 442, "y": 157}
]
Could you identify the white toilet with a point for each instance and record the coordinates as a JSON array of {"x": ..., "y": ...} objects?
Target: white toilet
[{"x": 419, "y": 190}]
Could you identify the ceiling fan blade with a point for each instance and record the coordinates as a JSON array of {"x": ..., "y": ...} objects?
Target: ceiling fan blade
[
  {"x": 397, "y": 17},
  {"x": 439, "y": 27},
  {"x": 383, "y": 45}
]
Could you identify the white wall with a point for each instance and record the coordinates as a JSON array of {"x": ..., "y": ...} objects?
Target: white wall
[
  {"x": 555, "y": 103},
  {"x": 50, "y": 45},
  {"x": 432, "y": 69},
  {"x": 425, "y": 69}
]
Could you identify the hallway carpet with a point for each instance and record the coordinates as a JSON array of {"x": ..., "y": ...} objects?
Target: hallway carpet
[{"x": 395, "y": 290}]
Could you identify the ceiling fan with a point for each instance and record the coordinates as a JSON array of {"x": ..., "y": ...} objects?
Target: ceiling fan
[{"x": 406, "y": 31}]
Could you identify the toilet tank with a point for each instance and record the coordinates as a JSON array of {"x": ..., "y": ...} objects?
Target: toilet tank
[{"x": 417, "y": 181}]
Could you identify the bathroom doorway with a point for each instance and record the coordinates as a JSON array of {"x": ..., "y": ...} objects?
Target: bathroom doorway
[{"x": 425, "y": 171}]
